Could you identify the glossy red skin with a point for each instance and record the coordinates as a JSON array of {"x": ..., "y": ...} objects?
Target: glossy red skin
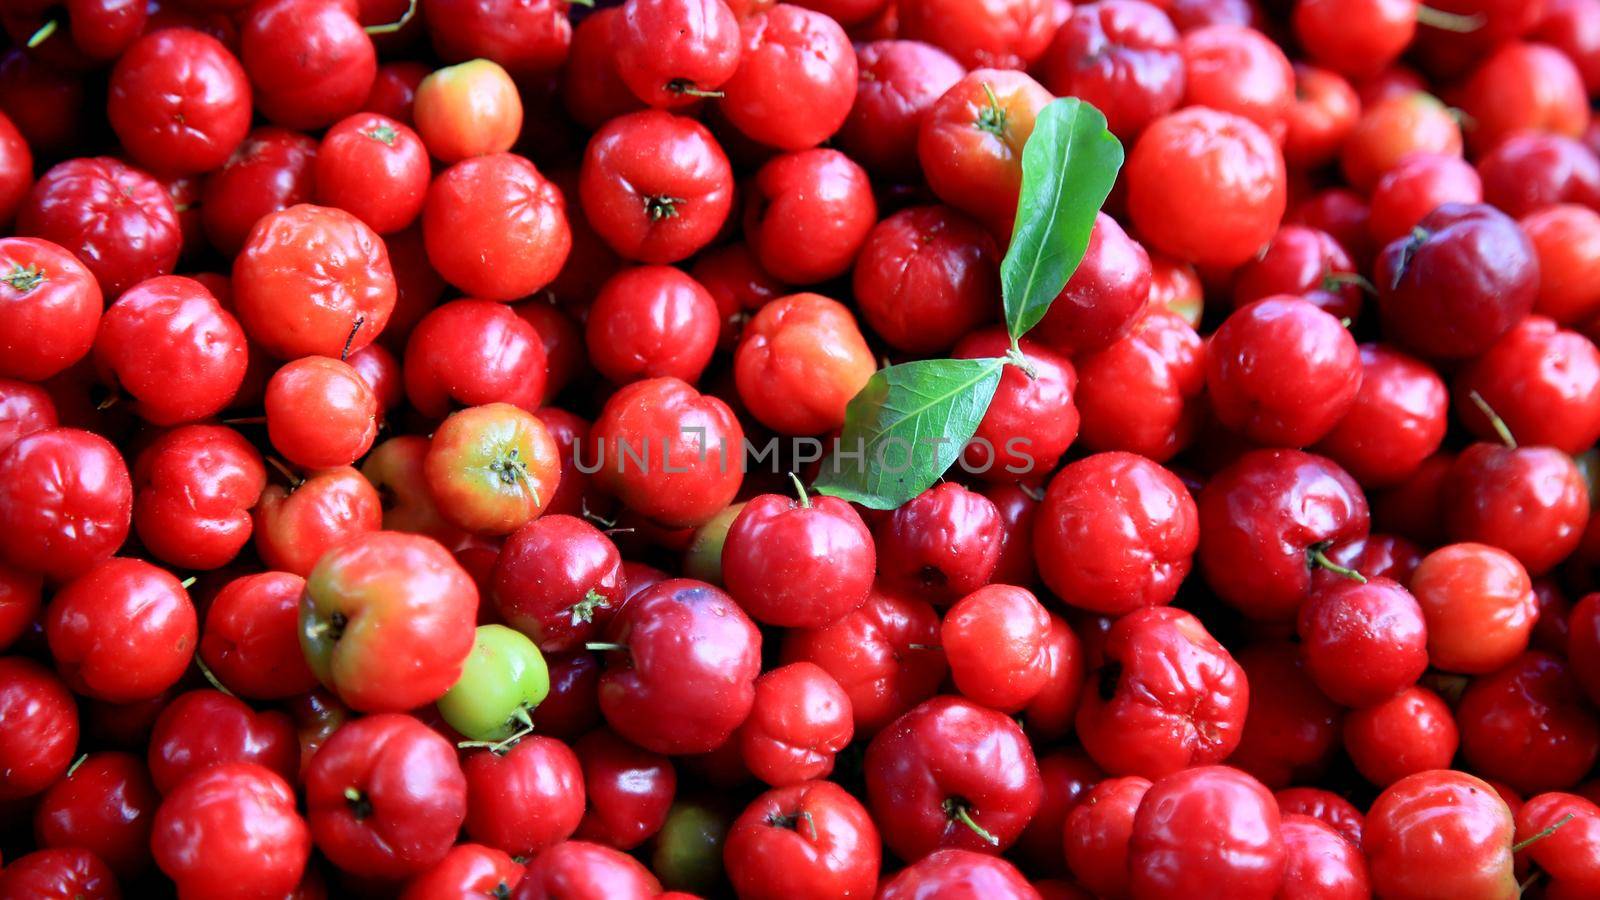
[
  {"x": 106, "y": 807},
  {"x": 665, "y": 48},
  {"x": 48, "y": 324},
  {"x": 948, "y": 753},
  {"x": 562, "y": 338},
  {"x": 1259, "y": 519},
  {"x": 317, "y": 714},
  {"x": 1068, "y": 776},
  {"x": 1143, "y": 393},
  {"x": 1440, "y": 833},
  {"x": 1529, "y": 172},
  {"x": 1529, "y": 725},
  {"x": 925, "y": 277},
  {"x": 1018, "y": 505},
  {"x": 1324, "y": 806},
  {"x": 1393, "y": 128},
  {"x": 687, "y": 478},
  {"x": 1166, "y": 696},
  {"x": 900, "y": 80},
  {"x": 473, "y": 352},
  {"x": 1105, "y": 296},
  {"x": 809, "y": 840},
  {"x": 418, "y": 288},
  {"x": 789, "y": 52},
  {"x": 310, "y": 63},
  {"x": 205, "y": 728},
  {"x": 1300, "y": 260},
  {"x": 1411, "y": 732},
  {"x": 530, "y": 798},
  {"x": 1479, "y": 605},
  {"x": 250, "y": 639},
  {"x": 312, "y": 280},
  {"x": 1523, "y": 87},
  {"x": 117, "y": 220},
  {"x": 179, "y": 101},
  {"x": 807, "y": 215},
  {"x": 1322, "y": 113},
  {"x": 394, "y": 90},
  {"x": 876, "y": 655},
  {"x": 1202, "y": 827},
  {"x": 1237, "y": 69},
  {"x": 65, "y": 872},
  {"x": 374, "y": 167},
  {"x": 166, "y": 325},
  {"x": 942, "y": 545},
  {"x": 1123, "y": 57},
  {"x": 495, "y": 228},
  {"x": 1342, "y": 213},
  {"x": 1362, "y": 643},
  {"x": 1567, "y": 239},
  {"x": 1050, "y": 714},
  {"x": 739, "y": 286},
  {"x": 195, "y": 486},
  {"x": 970, "y": 160},
  {"x": 629, "y": 790},
  {"x": 1398, "y": 419},
  {"x": 955, "y": 874},
  {"x": 1319, "y": 862},
  {"x": 579, "y": 870},
  {"x": 1098, "y": 831},
  {"x": 1116, "y": 532},
  {"x": 1420, "y": 183},
  {"x": 1542, "y": 380},
  {"x": 1282, "y": 372},
  {"x": 41, "y": 728},
  {"x": 652, "y": 322},
  {"x": 994, "y": 641},
  {"x": 655, "y": 186},
  {"x": 689, "y": 649},
  {"x": 272, "y": 169},
  {"x": 123, "y": 631},
  {"x": 1565, "y": 856},
  {"x": 490, "y": 469},
  {"x": 800, "y": 361},
  {"x": 16, "y": 169},
  {"x": 407, "y": 774},
  {"x": 1531, "y": 502},
  {"x": 1001, "y": 34},
  {"x": 1291, "y": 730},
  {"x": 408, "y": 610},
  {"x": 800, "y": 720},
  {"x": 321, "y": 413},
  {"x": 527, "y": 39},
  {"x": 593, "y": 92},
  {"x": 20, "y": 602},
  {"x": 382, "y": 372},
  {"x": 294, "y": 526},
  {"x": 544, "y": 576},
  {"x": 467, "y": 871},
  {"x": 1452, "y": 294},
  {"x": 1357, "y": 38},
  {"x": 798, "y": 564}
]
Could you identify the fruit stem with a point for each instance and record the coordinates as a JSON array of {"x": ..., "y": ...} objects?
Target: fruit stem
[
  {"x": 44, "y": 33},
  {"x": 1525, "y": 843},
  {"x": 1449, "y": 21},
  {"x": 660, "y": 206},
  {"x": 929, "y": 647},
  {"x": 75, "y": 764},
  {"x": 188, "y": 582},
  {"x": 246, "y": 420},
  {"x": 384, "y": 135},
  {"x": 502, "y": 746},
  {"x": 24, "y": 278},
  {"x": 1332, "y": 281},
  {"x": 992, "y": 118},
  {"x": 800, "y": 488},
  {"x": 284, "y": 470},
  {"x": 603, "y": 646},
  {"x": 211, "y": 676},
  {"x": 1319, "y": 558},
  {"x": 1498, "y": 424},
  {"x": 354, "y": 329},
  {"x": 1015, "y": 357},
  {"x": 687, "y": 88},
  {"x": 959, "y": 811},
  {"x": 392, "y": 27},
  {"x": 360, "y": 806},
  {"x": 584, "y": 610}
]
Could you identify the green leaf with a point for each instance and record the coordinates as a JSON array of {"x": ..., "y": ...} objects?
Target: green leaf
[
  {"x": 1068, "y": 167},
  {"x": 905, "y": 428}
]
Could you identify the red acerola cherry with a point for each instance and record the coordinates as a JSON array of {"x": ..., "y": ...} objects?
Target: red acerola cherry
[
  {"x": 60, "y": 872},
  {"x": 205, "y": 728},
  {"x": 686, "y": 646},
  {"x": 295, "y": 525},
  {"x": 374, "y": 168},
  {"x": 310, "y": 62},
  {"x": 1002, "y": 34},
  {"x": 1324, "y": 806},
  {"x": 668, "y": 452},
  {"x": 1531, "y": 502},
  {"x": 1030, "y": 421},
  {"x": 652, "y": 322},
  {"x": 994, "y": 640},
  {"x": 670, "y": 53},
  {"x": 529, "y": 39},
  {"x": 942, "y": 545},
  {"x": 788, "y": 51},
  {"x": 1115, "y": 533},
  {"x": 1237, "y": 69},
  {"x": 1206, "y": 826},
  {"x": 952, "y": 774},
  {"x": 1166, "y": 696},
  {"x": 1098, "y": 832},
  {"x": 195, "y": 486},
  {"x": 273, "y": 169},
  {"x": 592, "y": 90},
  {"x": 41, "y": 728},
  {"x": 495, "y": 228},
  {"x": 1398, "y": 419},
  {"x": 971, "y": 140},
  {"x": 1411, "y": 732},
  {"x": 1529, "y": 725},
  {"x": 1559, "y": 833},
  {"x": 807, "y": 840},
  {"x": 559, "y": 581},
  {"x": 800, "y": 720},
  {"x": 1291, "y": 729},
  {"x": 958, "y": 875},
  {"x": 1304, "y": 261},
  {"x": 471, "y": 353},
  {"x": 629, "y": 790},
  {"x": 123, "y": 631},
  {"x": 1479, "y": 605},
  {"x": 50, "y": 307},
  {"x": 807, "y": 215},
  {"x": 1363, "y": 642},
  {"x": 899, "y": 83},
  {"x": 20, "y": 601},
  {"x": 321, "y": 413},
  {"x": 1122, "y": 56},
  {"x": 925, "y": 277},
  {"x": 524, "y": 799},
  {"x": 106, "y": 807},
  {"x": 1298, "y": 504},
  {"x": 1105, "y": 296},
  {"x": 1542, "y": 380},
  {"x": 1566, "y": 238},
  {"x": 1440, "y": 833},
  {"x": 799, "y": 363},
  {"x": 251, "y": 639},
  {"x": 167, "y": 325},
  {"x": 1323, "y": 112},
  {"x": 798, "y": 563},
  {"x": 656, "y": 187},
  {"x": 1394, "y": 128},
  {"x": 231, "y": 821},
  {"x": 1523, "y": 87},
  {"x": 66, "y": 502},
  {"x": 1318, "y": 861},
  {"x": 180, "y": 119},
  {"x": 1420, "y": 183},
  {"x": 1530, "y": 172},
  {"x": 1143, "y": 394},
  {"x": 466, "y": 870},
  {"x": 584, "y": 871}
]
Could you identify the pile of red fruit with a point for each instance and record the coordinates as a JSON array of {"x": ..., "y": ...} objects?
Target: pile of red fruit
[{"x": 426, "y": 459}]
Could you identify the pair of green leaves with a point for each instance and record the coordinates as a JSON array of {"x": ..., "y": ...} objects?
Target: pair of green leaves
[{"x": 911, "y": 421}]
